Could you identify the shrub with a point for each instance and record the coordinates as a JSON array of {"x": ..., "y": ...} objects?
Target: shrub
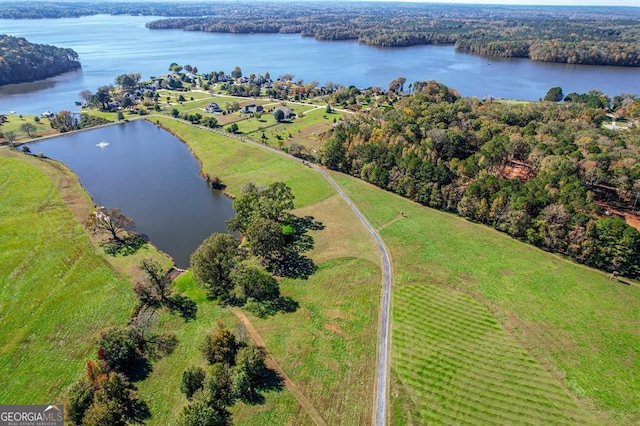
[{"x": 192, "y": 381}]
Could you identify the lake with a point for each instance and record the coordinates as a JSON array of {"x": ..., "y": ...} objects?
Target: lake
[
  {"x": 152, "y": 176},
  {"x": 113, "y": 45}
]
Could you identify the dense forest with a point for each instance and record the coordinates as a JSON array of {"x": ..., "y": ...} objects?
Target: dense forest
[
  {"x": 575, "y": 35},
  {"x": 595, "y": 36},
  {"x": 544, "y": 172},
  {"x": 21, "y": 61}
]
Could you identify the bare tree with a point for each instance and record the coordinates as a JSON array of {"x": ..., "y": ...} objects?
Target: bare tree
[
  {"x": 155, "y": 289},
  {"x": 85, "y": 95},
  {"x": 111, "y": 221},
  {"x": 10, "y": 136}
]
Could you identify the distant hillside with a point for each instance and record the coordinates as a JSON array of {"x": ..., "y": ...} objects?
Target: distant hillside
[{"x": 21, "y": 61}]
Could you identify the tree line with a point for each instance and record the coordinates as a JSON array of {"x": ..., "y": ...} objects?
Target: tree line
[
  {"x": 22, "y": 61},
  {"x": 544, "y": 172},
  {"x": 577, "y": 36}
]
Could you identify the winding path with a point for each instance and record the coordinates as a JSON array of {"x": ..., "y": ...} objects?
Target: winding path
[
  {"x": 382, "y": 366},
  {"x": 272, "y": 364}
]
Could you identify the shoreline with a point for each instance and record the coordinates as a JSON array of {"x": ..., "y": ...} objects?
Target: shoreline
[{"x": 83, "y": 207}]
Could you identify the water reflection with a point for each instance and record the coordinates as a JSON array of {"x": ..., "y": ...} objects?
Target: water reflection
[{"x": 152, "y": 177}]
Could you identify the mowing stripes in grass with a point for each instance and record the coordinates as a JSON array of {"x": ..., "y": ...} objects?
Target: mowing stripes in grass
[{"x": 458, "y": 365}]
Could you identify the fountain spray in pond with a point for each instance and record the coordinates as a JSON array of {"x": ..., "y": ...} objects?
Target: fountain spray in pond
[{"x": 103, "y": 144}]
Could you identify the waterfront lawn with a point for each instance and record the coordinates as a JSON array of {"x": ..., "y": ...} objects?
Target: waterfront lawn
[
  {"x": 56, "y": 293},
  {"x": 303, "y": 130},
  {"x": 13, "y": 123},
  {"x": 238, "y": 163},
  {"x": 453, "y": 277},
  {"x": 328, "y": 346}
]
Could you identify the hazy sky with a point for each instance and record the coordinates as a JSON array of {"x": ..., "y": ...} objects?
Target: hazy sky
[{"x": 635, "y": 3}]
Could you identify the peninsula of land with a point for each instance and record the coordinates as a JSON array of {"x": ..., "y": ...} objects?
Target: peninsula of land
[{"x": 22, "y": 61}]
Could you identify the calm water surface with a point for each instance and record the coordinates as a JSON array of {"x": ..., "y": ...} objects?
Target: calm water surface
[
  {"x": 152, "y": 177},
  {"x": 109, "y": 46}
]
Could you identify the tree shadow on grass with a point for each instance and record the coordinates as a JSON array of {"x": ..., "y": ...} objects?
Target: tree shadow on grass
[
  {"x": 184, "y": 306},
  {"x": 269, "y": 382},
  {"x": 308, "y": 223},
  {"x": 137, "y": 411},
  {"x": 138, "y": 370},
  {"x": 125, "y": 246},
  {"x": 267, "y": 308},
  {"x": 296, "y": 266}
]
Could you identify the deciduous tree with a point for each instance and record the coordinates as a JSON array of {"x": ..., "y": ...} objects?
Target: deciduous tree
[
  {"x": 212, "y": 263},
  {"x": 249, "y": 372},
  {"x": 554, "y": 95},
  {"x": 155, "y": 288},
  {"x": 110, "y": 221},
  {"x": 192, "y": 381},
  {"x": 251, "y": 282},
  {"x": 236, "y": 73},
  {"x": 221, "y": 346},
  {"x": 266, "y": 241},
  {"x": 27, "y": 128}
]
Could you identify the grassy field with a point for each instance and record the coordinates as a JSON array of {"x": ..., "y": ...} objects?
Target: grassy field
[
  {"x": 238, "y": 163},
  {"x": 303, "y": 130},
  {"x": 327, "y": 347},
  {"x": 485, "y": 329},
  {"x": 473, "y": 309},
  {"x": 56, "y": 293},
  {"x": 13, "y": 123},
  {"x": 161, "y": 389}
]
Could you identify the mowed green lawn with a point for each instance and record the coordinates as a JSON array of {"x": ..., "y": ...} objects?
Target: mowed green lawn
[
  {"x": 14, "y": 123},
  {"x": 328, "y": 346},
  {"x": 472, "y": 310},
  {"x": 161, "y": 389},
  {"x": 238, "y": 163},
  {"x": 56, "y": 293}
]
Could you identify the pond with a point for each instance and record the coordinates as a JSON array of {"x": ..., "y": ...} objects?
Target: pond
[{"x": 152, "y": 177}]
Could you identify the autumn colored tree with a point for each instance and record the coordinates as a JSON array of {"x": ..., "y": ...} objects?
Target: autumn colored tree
[{"x": 221, "y": 346}]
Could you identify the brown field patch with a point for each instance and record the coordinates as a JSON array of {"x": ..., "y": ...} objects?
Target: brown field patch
[{"x": 334, "y": 328}]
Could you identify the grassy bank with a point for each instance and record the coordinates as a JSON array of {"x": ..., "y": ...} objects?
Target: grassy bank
[
  {"x": 473, "y": 309},
  {"x": 14, "y": 124},
  {"x": 238, "y": 163},
  {"x": 327, "y": 347},
  {"x": 56, "y": 292}
]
